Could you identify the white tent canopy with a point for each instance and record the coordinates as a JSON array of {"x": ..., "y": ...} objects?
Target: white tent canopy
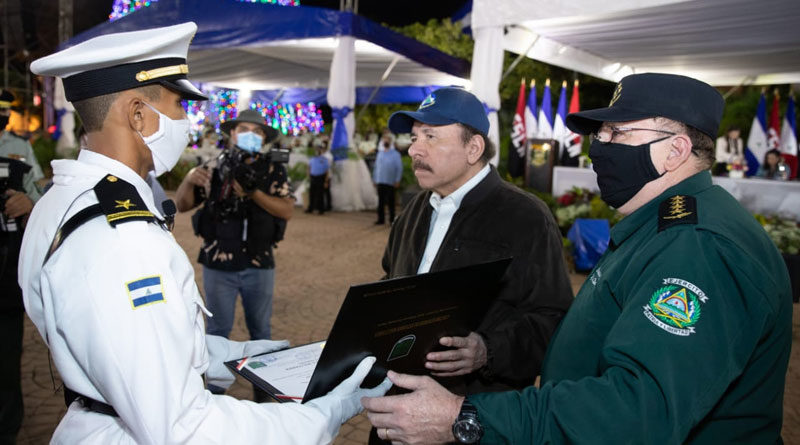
[{"x": 722, "y": 42}]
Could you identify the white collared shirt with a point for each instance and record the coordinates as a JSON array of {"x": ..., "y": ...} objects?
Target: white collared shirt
[{"x": 443, "y": 211}]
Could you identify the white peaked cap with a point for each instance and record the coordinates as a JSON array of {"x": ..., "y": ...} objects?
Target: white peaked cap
[{"x": 122, "y": 61}]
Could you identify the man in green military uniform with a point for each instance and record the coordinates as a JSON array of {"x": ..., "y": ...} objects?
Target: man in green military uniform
[
  {"x": 19, "y": 193},
  {"x": 681, "y": 333}
]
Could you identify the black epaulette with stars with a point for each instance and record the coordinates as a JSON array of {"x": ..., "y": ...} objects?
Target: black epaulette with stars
[
  {"x": 678, "y": 209},
  {"x": 120, "y": 202}
]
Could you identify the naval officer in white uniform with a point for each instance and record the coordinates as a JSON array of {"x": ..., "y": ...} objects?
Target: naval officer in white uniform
[{"x": 112, "y": 293}]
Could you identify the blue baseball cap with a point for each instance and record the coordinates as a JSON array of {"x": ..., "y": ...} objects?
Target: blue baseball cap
[{"x": 445, "y": 106}]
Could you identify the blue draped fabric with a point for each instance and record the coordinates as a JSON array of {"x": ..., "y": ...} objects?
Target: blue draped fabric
[{"x": 339, "y": 142}]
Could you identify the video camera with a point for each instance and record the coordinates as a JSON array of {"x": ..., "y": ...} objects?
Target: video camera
[
  {"x": 11, "y": 174},
  {"x": 247, "y": 169}
]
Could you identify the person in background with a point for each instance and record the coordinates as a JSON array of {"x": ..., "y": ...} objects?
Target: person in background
[
  {"x": 682, "y": 332},
  {"x": 386, "y": 175},
  {"x": 318, "y": 172},
  {"x": 729, "y": 148},
  {"x": 468, "y": 215},
  {"x": 770, "y": 168},
  {"x": 19, "y": 172}
]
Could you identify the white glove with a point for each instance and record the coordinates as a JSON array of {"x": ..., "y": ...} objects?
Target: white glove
[
  {"x": 344, "y": 401},
  {"x": 221, "y": 350}
]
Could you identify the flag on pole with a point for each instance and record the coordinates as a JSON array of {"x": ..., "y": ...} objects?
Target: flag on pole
[
  {"x": 757, "y": 139},
  {"x": 573, "y": 143},
  {"x": 788, "y": 145},
  {"x": 546, "y": 114},
  {"x": 516, "y": 153},
  {"x": 531, "y": 126},
  {"x": 559, "y": 128},
  {"x": 774, "y": 130}
]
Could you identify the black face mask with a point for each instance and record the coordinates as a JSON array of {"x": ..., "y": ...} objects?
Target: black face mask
[
  {"x": 622, "y": 170},
  {"x": 3, "y": 122}
]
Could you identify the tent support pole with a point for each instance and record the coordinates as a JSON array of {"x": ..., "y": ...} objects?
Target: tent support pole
[
  {"x": 519, "y": 59},
  {"x": 378, "y": 87},
  {"x": 744, "y": 82}
]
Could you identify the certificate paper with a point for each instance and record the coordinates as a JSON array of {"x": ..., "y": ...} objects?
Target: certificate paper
[{"x": 283, "y": 374}]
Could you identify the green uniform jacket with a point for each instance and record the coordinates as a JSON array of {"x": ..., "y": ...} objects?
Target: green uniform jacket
[
  {"x": 12, "y": 146},
  {"x": 681, "y": 334}
]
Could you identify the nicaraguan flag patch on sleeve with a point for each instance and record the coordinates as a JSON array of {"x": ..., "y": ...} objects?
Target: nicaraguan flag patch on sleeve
[{"x": 145, "y": 291}]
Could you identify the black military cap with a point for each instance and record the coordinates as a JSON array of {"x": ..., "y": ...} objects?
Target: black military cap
[
  {"x": 6, "y": 98},
  {"x": 640, "y": 96},
  {"x": 122, "y": 61}
]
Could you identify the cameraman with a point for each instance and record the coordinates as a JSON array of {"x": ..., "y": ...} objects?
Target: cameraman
[
  {"x": 247, "y": 201},
  {"x": 19, "y": 172}
]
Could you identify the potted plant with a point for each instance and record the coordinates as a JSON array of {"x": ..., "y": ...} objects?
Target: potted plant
[{"x": 786, "y": 236}]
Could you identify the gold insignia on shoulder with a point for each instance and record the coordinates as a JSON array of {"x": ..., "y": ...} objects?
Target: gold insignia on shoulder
[
  {"x": 111, "y": 178},
  {"x": 617, "y": 94},
  {"x": 677, "y": 208},
  {"x": 124, "y": 204}
]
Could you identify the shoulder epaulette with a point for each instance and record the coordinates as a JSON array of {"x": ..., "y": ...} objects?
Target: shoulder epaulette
[
  {"x": 120, "y": 201},
  {"x": 678, "y": 209}
]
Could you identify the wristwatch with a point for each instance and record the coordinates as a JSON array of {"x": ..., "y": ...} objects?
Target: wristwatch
[{"x": 466, "y": 428}]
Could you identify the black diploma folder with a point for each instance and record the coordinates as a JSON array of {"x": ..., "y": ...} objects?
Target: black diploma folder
[{"x": 398, "y": 321}]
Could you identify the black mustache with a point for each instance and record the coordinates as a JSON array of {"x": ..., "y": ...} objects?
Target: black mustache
[{"x": 419, "y": 165}]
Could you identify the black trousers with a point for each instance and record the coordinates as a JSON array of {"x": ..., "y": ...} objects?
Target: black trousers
[
  {"x": 385, "y": 198},
  {"x": 11, "y": 318},
  {"x": 316, "y": 194}
]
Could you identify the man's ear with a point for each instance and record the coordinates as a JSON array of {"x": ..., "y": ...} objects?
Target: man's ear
[
  {"x": 680, "y": 150},
  {"x": 475, "y": 148},
  {"x": 134, "y": 110}
]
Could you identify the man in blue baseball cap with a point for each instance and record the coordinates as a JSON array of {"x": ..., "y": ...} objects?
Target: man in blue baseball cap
[
  {"x": 466, "y": 215},
  {"x": 682, "y": 332}
]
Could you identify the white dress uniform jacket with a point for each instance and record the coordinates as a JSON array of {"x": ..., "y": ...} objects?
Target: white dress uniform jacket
[{"x": 145, "y": 360}]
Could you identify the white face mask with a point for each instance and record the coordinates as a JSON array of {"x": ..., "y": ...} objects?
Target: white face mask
[{"x": 168, "y": 142}]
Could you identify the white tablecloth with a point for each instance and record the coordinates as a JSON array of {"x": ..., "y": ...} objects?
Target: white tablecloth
[{"x": 768, "y": 197}]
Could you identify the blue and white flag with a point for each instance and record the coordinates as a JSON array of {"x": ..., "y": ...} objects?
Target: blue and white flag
[
  {"x": 531, "y": 125},
  {"x": 145, "y": 291},
  {"x": 560, "y": 132},
  {"x": 757, "y": 139},
  {"x": 546, "y": 114}
]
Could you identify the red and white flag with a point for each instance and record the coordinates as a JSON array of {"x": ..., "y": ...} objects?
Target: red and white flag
[
  {"x": 516, "y": 153},
  {"x": 789, "y": 137},
  {"x": 573, "y": 141},
  {"x": 774, "y": 129}
]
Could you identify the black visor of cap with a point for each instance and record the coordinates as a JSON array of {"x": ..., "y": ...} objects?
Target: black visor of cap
[{"x": 116, "y": 78}]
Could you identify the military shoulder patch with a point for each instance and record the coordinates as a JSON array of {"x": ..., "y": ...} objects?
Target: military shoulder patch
[
  {"x": 144, "y": 291},
  {"x": 120, "y": 201},
  {"x": 678, "y": 209},
  {"x": 675, "y": 307}
]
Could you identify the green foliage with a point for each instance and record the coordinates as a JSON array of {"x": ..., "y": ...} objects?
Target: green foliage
[
  {"x": 298, "y": 172},
  {"x": 408, "y": 177},
  {"x": 44, "y": 148},
  {"x": 784, "y": 233},
  {"x": 376, "y": 117},
  {"x": 173, "y": 178},
  {"x": 443, "y": 35}
]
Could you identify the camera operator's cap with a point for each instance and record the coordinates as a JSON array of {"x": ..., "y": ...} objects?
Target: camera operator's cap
[
  {"x": 122, "y": 61},
  {"x": 640, "y": 96},
  {"x": 6, "y": 99},
  {"x": 253, "y": 117},
  {"x": 450, "y": 105}
]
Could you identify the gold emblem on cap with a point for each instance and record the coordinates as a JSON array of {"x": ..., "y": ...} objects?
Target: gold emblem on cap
[
  {"x": 5, "y": 104},
  {"x": 143, "y": 76},
  {"x": 111, "y": 178},
  {"x": 677, "y": 208},
  {"x": 617, "y": 94}
]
